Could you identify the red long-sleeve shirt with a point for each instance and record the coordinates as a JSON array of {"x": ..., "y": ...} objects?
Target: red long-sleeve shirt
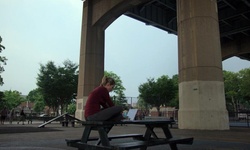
[{"x": 97, "y": 98}]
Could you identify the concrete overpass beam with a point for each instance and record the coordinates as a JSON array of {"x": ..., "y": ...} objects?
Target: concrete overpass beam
[{"x": 235, "y": 47}]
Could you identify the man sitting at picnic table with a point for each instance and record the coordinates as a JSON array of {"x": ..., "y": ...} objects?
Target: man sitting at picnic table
[{"x": 99, "y": 106}]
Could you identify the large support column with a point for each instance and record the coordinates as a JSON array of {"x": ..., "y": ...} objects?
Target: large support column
[
  {"x": 97, "y": 16},
  {"x": 91, "y": 67},
  {"x": 201, "y": 87}
]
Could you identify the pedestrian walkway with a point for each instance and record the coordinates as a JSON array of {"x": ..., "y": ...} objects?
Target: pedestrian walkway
[{"x": 52, "y": 137}]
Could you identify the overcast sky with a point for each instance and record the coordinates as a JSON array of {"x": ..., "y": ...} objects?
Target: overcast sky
[{"x": 37, "y": 31}]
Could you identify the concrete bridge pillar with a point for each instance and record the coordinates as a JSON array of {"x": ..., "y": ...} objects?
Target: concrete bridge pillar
[
  {"x": 201, "y": 87},
  {"x": 97, "y": 16},
  {"x": 91, "y": 58}
]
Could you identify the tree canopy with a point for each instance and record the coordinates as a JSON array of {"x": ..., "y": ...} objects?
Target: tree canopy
[
  {"x": 237, "y": 89},
  {"x": 232, "y": 87},
  {"x": 2, "y": 62},
  {"x": 58, "y": 84},
  {"x": 159, "y": 92},
  {"x": 244, "y": 75},
  {"x": 119, "y": 96},
  {"x": 11, "y": 99},
  {"x": 36, "y": 97}
]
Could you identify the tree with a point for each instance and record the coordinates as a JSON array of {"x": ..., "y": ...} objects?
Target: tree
[
  {"x": 2, "y": 61},
  {"x": 159, "y": 92},
  {"x": 72, "y": 108},
  {"x": 148, "y": 93},
  {"x": 36, "y": 97},
  {"x": 58, "y": 84},
  {"x": 2, "y": 102},
  {"x": 45, "y": 81},
  {"x": 244, "y": 76},
  {"x": 232, "y": 88},
  {"x": 166, "y": 89},
  {"x": 33, "y": 94},
  {"x": 1, "y": 46},
  {"x": 142, "y": 105},
  {"x": 12, "y": 99},
  {"x": 175, "y": 101},
  {"x": 119, "y": 96}
]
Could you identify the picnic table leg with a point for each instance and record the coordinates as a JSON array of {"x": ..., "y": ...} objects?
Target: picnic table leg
[
  {"x": 149, "y": 132},
  {"x": 86, "y": 134},
  {"x": 173, "y": 146},
  {"x": 103, "y": 136},
  {"x": 167, "y": 132},
  {"x": 168, "y": 135},
  {"x": 107, "y": 129}
]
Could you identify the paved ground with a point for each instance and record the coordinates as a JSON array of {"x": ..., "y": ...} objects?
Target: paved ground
[{"x": 52, "y": 137}]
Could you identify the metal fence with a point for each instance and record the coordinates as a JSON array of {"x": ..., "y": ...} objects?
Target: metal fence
[
  {"x": 239, "y": 119},
  {"x": 236, "y": 119}
]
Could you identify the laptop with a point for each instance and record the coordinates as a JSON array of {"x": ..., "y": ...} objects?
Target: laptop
[{"x": 131, "y": 114}]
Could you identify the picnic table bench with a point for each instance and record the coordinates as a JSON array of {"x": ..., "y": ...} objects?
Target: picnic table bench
[{"x": 149, "y": 138}]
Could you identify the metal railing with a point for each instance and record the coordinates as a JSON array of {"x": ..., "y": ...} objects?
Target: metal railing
[{"x": 241, "y": 119}]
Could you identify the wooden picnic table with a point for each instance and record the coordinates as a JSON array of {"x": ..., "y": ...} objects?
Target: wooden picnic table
[{"x": 149, "y": 138}]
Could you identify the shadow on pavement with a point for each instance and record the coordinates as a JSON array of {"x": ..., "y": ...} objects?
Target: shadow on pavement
[{"x": 24, "y": 129}]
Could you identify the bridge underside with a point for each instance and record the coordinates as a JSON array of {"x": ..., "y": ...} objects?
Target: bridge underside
[
  {"x": 208, "y": 32},
  {"x": 234, "y": 22}
]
